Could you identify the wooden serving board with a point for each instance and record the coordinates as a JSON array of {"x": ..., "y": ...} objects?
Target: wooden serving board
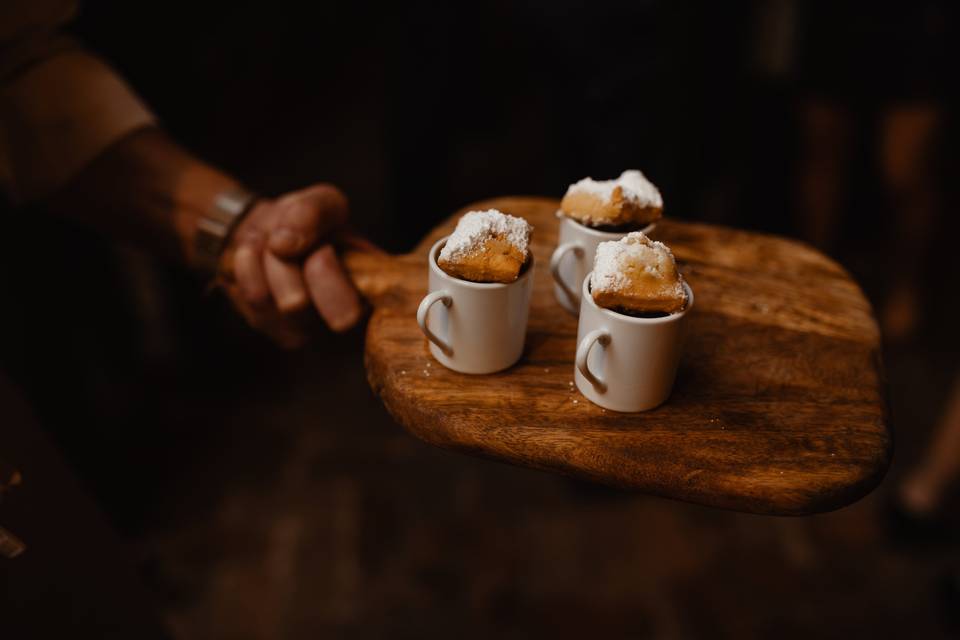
[{"x": 777, "y": 407}]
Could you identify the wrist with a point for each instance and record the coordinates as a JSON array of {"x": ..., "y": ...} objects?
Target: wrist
[{"x": 216, "y": 224}]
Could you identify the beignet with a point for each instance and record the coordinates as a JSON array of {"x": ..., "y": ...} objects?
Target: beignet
[
  {"x": 486, "y": 246},
  {"x": 636, "y": 275},
  {"x": 630, "y": 200}
]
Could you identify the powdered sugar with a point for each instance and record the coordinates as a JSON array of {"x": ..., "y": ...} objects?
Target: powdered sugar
[
  {"x": 476, "y": 227},
  {"x": 616, "y": 260},
  {"x": 633, "y": 184}
]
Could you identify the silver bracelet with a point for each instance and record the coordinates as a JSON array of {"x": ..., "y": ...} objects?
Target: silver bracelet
[{"x": 215, "y": 226}]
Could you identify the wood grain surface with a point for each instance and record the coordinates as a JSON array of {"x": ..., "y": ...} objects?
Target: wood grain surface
[{"x": 777, "y": 408}]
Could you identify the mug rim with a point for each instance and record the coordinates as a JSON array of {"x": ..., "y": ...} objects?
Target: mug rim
[
  {"x": 614, "y": 315},
  {"x": 435, "y": 268},
  {"x": 607, "y": 235}
]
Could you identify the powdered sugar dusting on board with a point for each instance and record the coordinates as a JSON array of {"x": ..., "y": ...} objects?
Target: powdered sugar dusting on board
[
  {"x": 634, "y": 185},
  {"x": 615, "y": 259},
  {"x": 476, "y": 227}
]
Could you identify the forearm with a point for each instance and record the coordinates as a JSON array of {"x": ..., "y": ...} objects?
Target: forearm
[{"x": 147, "y": 190}]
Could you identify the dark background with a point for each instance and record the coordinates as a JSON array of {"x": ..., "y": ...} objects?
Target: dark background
[{"x": 267, "y": 494}]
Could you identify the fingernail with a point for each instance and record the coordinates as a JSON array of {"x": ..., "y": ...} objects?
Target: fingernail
[
  {"x": 288, "y": 302},
  {"x": 346, "y": 320},
  {"x": 284, "y": 240}
]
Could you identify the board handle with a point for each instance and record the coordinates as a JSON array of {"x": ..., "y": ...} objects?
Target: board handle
[{"x": 375, "y": 273}]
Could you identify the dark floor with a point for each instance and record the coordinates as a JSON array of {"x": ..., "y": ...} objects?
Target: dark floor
[
  {"x": 268, "y": 495},
  {"x": 310, "y": 514}
]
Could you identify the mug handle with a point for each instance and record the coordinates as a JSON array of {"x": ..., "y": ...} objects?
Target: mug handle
[
  {"x": 428, "y": 301},
  {"x": 597, "y": 335},
  {"x": 558, "y": 254}
]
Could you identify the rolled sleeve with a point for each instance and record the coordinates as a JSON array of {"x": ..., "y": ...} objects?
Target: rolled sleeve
[{"x": 56, "y": 116}]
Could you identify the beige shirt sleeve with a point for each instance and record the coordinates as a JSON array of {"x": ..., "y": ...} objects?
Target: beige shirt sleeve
[{"x": 60, "y": 106}]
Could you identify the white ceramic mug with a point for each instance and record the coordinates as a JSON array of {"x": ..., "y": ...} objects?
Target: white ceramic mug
[
  {"x": 579, "y": 242},
  {"x": 625, "y": 363},
  {"x": 479, "y": 327}
]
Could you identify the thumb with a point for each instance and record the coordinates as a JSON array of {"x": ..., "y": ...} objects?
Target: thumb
[{"x": 305, "y": 218}]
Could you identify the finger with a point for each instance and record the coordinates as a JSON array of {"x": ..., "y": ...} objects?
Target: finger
[
  {"x": 305, "y": 218},
  {"x": 247, "y": 234},
  {"x": 251, "y": 280},
  {"x": 331, "y": 291},
  {"x": 286, "y": 284}
]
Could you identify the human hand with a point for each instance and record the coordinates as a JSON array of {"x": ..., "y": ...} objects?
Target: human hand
[{"x": 285, "y": 270}]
